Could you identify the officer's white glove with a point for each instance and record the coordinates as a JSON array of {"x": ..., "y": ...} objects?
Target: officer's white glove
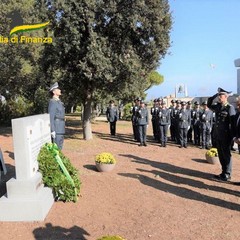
[
  {"x": 53, "y": 134},
  {"x": 188, "y": 128}
]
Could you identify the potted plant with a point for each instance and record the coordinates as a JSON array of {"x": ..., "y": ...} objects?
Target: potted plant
[
  {"x": 212, "y": 156},
  {"x": 105, "y": 162}
]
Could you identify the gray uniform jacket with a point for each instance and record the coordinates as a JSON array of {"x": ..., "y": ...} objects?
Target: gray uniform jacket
[
  {"x": 112, "y": 114},
  {"x": 184, "y": 118},
  {"x": 206, "y": 119},
  {"x": 164, "y": 117},
  {"x": 142, "y": 116},
  {"x": 56, "y": 111}
]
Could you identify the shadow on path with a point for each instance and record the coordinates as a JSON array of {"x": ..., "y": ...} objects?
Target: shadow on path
[
  {"x": 166, "y": 171},
  {"x": 57, "y": 232}
]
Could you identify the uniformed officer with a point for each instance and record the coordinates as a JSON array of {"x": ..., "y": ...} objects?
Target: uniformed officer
[
  {"x": 184, "y": 121},
  {"x": 172, "y": 109},
  {"x": 164, "y": 123},
  {"x": 154, "y": 113},
  {"x": 196, "y": 112},
  {"x": 177, "y": 111},
  {"x": 206, "y": 126},
  {"x": 56, "y": 111},
  {"x": 134, "y": 118},
  {"x": 224, "y": 131},
  {"x": 112, "y": 117},
  {"x": 142, "y": 121},
  {"x": 190, "y": 130}
]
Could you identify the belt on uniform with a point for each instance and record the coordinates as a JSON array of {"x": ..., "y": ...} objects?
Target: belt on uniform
[{"x": 60, "y": 119}]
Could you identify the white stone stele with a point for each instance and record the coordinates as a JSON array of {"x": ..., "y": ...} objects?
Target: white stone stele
[{"x": 27, "y": 199}]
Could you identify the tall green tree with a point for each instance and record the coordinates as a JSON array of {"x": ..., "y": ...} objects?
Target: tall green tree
[
  {"x": 104, "y": 46},
  {"x": 19, "y": 69}
]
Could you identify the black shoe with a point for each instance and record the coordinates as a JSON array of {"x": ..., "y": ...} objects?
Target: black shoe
[
  {"x": 180, "y": 146},
  {"x": 144, "y": 144},
  {"x": 185, "y": 146},
  {"x": 223, "y": 177},
  {"x": 140, "y": 145}
]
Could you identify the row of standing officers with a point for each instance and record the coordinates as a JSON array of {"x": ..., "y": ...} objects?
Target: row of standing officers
[{"x": 182, "y": 121}]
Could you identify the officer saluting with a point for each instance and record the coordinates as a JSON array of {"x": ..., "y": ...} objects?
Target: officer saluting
[
  {"x": 224, "y": 128},
  {"x": 56, "y": 111}
]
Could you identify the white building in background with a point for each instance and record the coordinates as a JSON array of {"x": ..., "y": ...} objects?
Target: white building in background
[{"x": 237, "y": 64}]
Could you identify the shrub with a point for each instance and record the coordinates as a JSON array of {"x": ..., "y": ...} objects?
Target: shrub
[
  {"x": 127, "y": 111},
  {"x": 54, "y": 177},
  {"x": 19, "y": 107}
]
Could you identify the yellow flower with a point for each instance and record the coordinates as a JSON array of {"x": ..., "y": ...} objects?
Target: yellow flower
[
  {"x": 212, "y": 152},
  {"x": 106, "y": 158}
]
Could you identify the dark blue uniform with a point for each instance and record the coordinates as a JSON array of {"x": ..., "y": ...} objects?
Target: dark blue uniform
[
  {"x": 184, "y": 122},
  {"x": 224, "y": 134},
  {"x": 112, "y": 117},
  {"x": 134, "y": 122},
  {"x": 154, "y": 112},
  {"x": 196, "y": 113}
]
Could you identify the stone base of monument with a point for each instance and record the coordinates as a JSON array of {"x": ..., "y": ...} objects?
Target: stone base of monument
[{"x": 26, "y": 200}]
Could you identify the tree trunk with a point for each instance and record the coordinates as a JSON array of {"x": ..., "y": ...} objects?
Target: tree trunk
[{"x": 87, "y": 128}]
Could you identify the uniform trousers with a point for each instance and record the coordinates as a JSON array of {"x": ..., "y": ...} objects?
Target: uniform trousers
[
  {"x": 189, "y": 134},
  {"x": 135, "y": 131},
  {"x": 196, "y": 129},
  {"x": 172, "y": 132},
  {"x": 206, "y": 136},
  {"x": 58, "y": 140},
  {"x": 142, "y": 129},
  {"x": 113, "y": 128},
  {"x": 163, "y": 133},
  {"x": 183, "y": 136},
  {"x": 177, "y": 133},
  {"x": 224, "y": 153}
]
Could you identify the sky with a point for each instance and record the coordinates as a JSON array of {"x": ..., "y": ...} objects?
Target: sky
[{"x": 205, "y": 41}]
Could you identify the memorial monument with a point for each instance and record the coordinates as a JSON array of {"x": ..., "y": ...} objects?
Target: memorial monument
[{"x": 27, "y": 199}]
